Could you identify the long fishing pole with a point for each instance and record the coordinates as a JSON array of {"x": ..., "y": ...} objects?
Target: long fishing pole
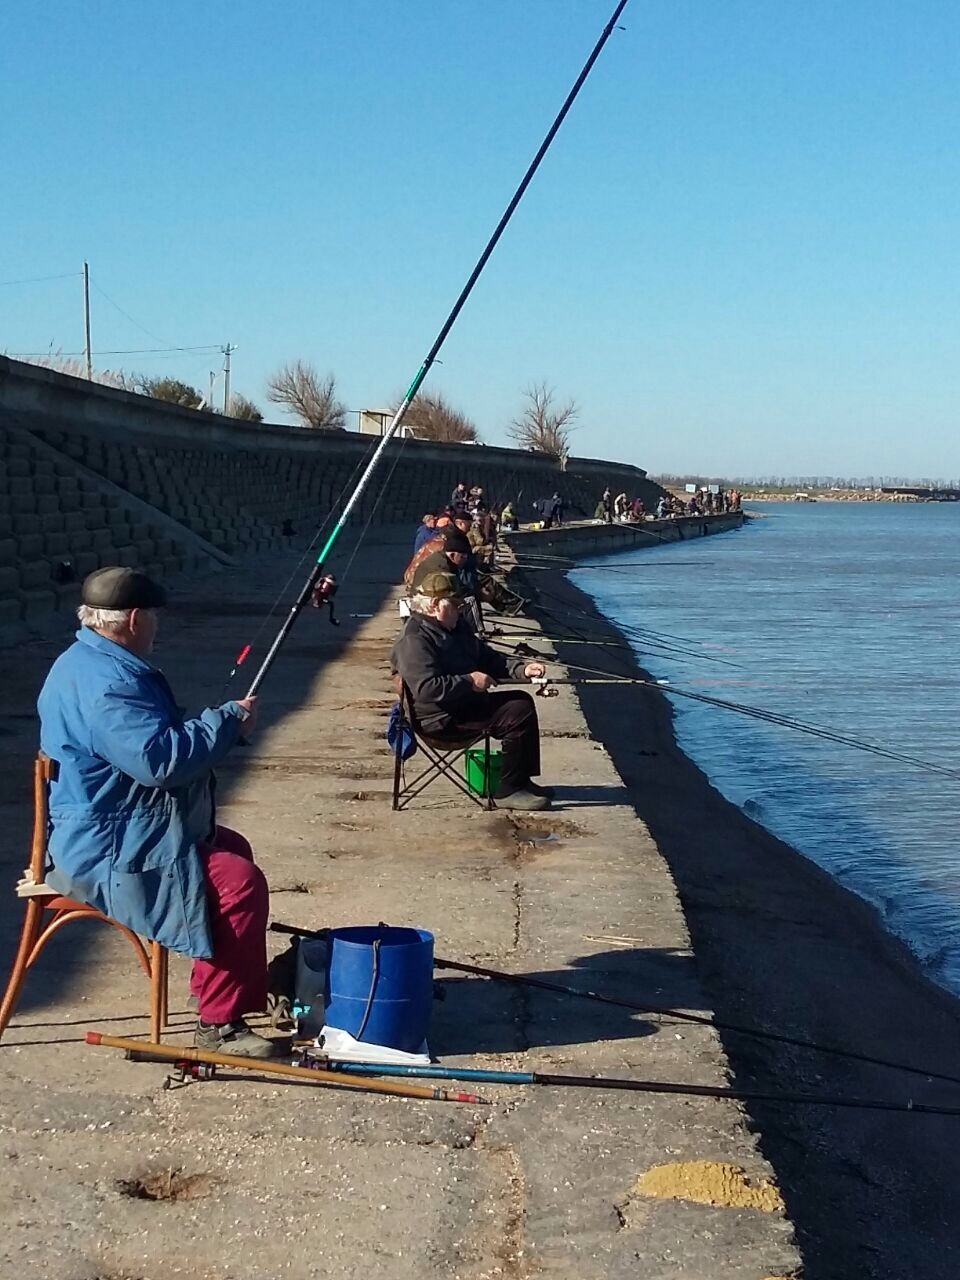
[
  {"x": 649, "y": 639},
  {"x": 431, "y": 356},
  {"x": 679, "y": 1015},
  {"x": 626, "y": 628},
  {"x": 745, "y": 709},
  {"x": 759, "y": 713},
  {"x": 482, "y": 1075},
  {"x": 268, "y": 1066},
  {"x": 529, "y": 567}
]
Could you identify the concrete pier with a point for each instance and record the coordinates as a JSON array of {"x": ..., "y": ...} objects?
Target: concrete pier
[{"x": 304, "y": 1182}]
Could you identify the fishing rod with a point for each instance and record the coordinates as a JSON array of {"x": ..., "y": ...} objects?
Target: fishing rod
[
  {"x": 431, "y": 356},
  {"x": 679, "y": 1015},
  {"x": 759, "y": 713},
  {"x": 649, "y": 639},
  {"x": 137, "y": 1050},
  {"x": 524, "y": 650},
  {"x": 569, "y": 607},
  {"x": 484, "y": 1076},
  {"x": 529, "y": 567}
]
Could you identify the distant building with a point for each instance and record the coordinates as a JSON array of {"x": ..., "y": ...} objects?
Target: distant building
[{"x": 375, "y": 422}]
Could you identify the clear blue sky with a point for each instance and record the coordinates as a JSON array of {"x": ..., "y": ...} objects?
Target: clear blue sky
[{"x": 741, "y": 255}]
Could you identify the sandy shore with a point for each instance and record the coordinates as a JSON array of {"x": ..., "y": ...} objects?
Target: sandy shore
[{"x": 779, "y": 945}]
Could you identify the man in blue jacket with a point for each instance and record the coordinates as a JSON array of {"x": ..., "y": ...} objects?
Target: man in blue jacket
[{"x": 132, "y": 828}]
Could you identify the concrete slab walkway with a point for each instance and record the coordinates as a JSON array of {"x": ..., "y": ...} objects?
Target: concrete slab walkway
[{"x": 305, "y": 1182}]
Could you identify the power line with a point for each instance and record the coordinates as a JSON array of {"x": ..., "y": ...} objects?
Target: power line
[
  {"x": 67, "y": 275},
  {"x": 135, "y": 351},
  {"x": 127, "y": 316}
]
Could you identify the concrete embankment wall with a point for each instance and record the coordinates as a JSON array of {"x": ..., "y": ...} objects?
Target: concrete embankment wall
[
  {"x": 94, "y": 475},
  {"x": 580, "y": 539}
]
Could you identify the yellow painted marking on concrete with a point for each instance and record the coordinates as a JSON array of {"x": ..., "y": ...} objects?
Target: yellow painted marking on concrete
[{"x": 708, "y": 1182}]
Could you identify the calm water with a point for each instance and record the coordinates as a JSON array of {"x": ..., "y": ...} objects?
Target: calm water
[{"x": 844, "y": 614}]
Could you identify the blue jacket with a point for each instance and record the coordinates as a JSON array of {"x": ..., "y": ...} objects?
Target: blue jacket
[
  {"x": 424, "y": 534},
  {"x": 134, "y": 794}
]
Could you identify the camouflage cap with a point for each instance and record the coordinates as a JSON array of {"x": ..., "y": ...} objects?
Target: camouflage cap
[{"x": 438, "y": 586}]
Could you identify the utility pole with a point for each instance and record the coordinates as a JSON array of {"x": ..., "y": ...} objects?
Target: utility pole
[
  {"x": 86, "y": 322},
  {"x": 227, "y": 352}
]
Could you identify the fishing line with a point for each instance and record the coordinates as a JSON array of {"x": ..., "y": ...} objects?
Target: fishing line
[
  {"x": 569, "y": 607},
  {"x": 757, "y": 713},
  {"x": 648, "y": 638},
  {"x": 528, "y": 567},
  {"x": 431, "y": 356},
  {"x": 373, "y": 510},
  {"x": 558, "y": 988},
  {"x": 507, "y": 646},
  {"x": 770, "y": 717}
]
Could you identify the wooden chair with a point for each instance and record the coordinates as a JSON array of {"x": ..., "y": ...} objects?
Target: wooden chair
[
  {"x": 443, "y": 755},
  {"x": 47, "y": 911}
]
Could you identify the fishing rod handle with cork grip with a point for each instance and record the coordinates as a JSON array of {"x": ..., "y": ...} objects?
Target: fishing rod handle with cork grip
[{"x": 265, "y": 1066}]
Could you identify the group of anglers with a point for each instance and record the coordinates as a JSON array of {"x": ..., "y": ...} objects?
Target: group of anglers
[{"x": 624, "y": 509}]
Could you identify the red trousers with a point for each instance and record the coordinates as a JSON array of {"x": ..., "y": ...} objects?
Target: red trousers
[{"x": 234, "y": 981}]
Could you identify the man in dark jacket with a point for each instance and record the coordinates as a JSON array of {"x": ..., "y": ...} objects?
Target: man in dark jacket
[{"x": 451, "y": 673}]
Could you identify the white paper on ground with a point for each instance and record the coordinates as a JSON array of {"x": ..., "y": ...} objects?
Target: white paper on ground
[{"x": 336, "y": 1043}]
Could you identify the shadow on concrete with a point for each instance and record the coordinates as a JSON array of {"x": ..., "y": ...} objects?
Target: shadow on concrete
[
  {"x": 210, "y": 619},
  {"x": 477, "y": 1015},
  {"x": 585, "y": 797},
  {"x": 779, "y": 945}
]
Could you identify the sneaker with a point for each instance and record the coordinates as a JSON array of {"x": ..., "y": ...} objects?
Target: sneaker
[
  {"x": 232, "y": 1037},
  {"x": 522, "y": 799},
  {"x": 537, "y": 790}
]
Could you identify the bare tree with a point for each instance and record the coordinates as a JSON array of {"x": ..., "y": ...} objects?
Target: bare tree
[
  {"x": 308, "y": 394},
  {"x": 544, "y": 426},
  {"x": 434, "y": 419},
  {"x": 170, "y": 389},
  {"x": 244, "y": 409}
]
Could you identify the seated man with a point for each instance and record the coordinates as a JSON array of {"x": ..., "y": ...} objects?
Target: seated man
[
  {"x": 450, "y": 673},
  {"x": 448, "y": 547},
  {"x": 449, "y": 553},
  {"x": 132, "y": 829},
  {"x": 425, "y": 532}
]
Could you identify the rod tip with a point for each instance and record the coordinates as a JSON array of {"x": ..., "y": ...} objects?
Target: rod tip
[{"x": 93, "y": 1037}]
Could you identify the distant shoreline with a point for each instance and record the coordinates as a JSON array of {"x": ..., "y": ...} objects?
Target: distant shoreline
[{"x": 827, "y": 495}]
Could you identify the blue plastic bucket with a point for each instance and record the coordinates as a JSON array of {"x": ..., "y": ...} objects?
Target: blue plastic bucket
[{"x": 379, "y": 986}]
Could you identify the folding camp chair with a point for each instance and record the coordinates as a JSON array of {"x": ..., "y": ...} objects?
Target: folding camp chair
[
  {"x": 47, "y": 911},
  {"x": 443, "y": 755}
]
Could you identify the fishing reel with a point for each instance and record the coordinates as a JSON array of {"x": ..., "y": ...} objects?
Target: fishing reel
[
  {"x": 545, "y": 689},
  {"x": 323, "y": 594}
]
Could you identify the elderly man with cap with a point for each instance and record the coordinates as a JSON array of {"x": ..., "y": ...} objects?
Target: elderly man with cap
[
  {"x": 450, "y": 553},
  {"x": 451, "y": 675},
  {"x": 132, "y": 828}
]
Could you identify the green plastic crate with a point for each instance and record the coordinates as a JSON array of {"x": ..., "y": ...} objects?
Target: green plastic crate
[{"x": 478, "y": 779}]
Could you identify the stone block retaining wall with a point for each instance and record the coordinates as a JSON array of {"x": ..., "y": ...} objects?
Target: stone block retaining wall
[{"x": 97, "y": 476}]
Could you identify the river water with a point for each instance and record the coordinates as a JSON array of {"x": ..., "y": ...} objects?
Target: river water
[{"x": 842, "y": 614}]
